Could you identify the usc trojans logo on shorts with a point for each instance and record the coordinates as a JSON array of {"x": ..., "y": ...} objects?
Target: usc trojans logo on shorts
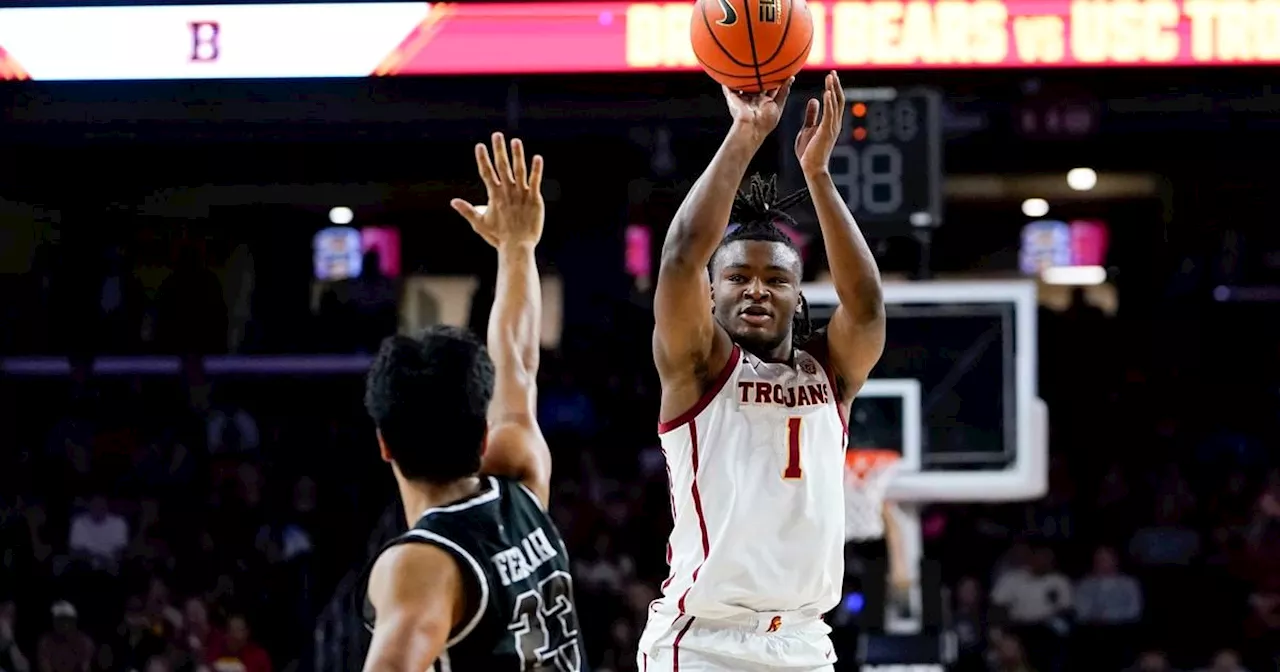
[{"x": 775, "y": 624}]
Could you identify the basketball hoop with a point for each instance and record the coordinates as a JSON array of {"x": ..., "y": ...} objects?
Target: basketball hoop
[{"x": 866, "y": 480}]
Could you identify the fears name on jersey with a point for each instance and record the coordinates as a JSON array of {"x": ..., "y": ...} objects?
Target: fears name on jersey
[
  {"x": 520, "y": 611},
  {"x": 756, "y": 469}
]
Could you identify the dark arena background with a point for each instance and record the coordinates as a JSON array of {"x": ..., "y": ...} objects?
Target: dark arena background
[{"x": 1072, "y": 203}]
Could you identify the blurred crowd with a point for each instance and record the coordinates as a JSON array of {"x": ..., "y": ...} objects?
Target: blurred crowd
[{"x": 193, "y": 523}]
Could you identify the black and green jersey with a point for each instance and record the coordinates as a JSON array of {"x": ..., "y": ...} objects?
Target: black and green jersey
[{"x": 520, "y": 609}]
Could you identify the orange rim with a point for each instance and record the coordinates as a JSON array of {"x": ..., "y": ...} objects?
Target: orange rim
[{"x": 862, "y": 461}]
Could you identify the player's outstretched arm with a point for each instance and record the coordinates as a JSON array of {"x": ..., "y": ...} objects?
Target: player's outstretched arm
[
  {"x": 512, "y": 224},
  {"x": 418, "y": 595},
  {"x": 855, "y": 335},
  {"x": 686, "y": 339},
  {"x": 899, "y": 576}
]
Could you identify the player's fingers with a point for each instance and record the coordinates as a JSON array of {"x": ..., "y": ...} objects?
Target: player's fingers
[
  {"x": 780, "y": 96},
  {"x": 501, "y": 162},
  {"x": 811, "y": 111},
  {"x": 535, "y": 174},
  {"x": 830, "y": 113},
  {"x": 467, "y": 211},
  {"x": 485, "y": 166},
  {"x": 517, "y": 163},
  {"x": 729, "y": 96},
  {"x": 838, "y": 89}
]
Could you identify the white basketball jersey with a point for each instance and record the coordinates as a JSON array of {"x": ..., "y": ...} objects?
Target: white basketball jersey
[{"x": 756, "y": 471}]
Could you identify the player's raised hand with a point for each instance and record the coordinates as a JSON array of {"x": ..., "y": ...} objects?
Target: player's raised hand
[
  {"x": 759, "y": 112},
  {"x": 515, "y": 212},
  {"x": 821, "y": 129}
]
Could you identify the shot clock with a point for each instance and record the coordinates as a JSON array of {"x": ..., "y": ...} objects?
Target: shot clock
[{"x": 888, "y": 165}]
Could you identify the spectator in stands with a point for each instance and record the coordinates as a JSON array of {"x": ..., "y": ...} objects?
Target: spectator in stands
[
  {"x": 11, "y": 657},
  {"x": 606, "y": 571},
  {"x": 99, "y": 536},
  {"x": 1037, "y": 600},
  {"x": 238, "y": 652},
  {"x": 136, "y": 642},
  {"x": 1152, "y": 661},
  {"x": 1225, "y": 660},
  {"x": 36, "y": 517},
  {"x": 1008, "y": 654},
  {"x": 65, "y": 648},
  {"x": 15, "y": 539},
  {"x": 199, "y": 635},
  {"x": 1168, "y": 541},
  {"x": 191, "y": 313},
  {"x": 229, "y": 427},
  {"x": 970, "y": 624},
  {"x": 1014, "y": 563},
  {"x": 162, "y": 616},
  {"x": 158, "y": 664},
  {"x": 1108, "y": 604}
]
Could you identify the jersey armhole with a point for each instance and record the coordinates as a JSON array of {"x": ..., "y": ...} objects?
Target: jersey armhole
[
  {"x": 685, "y": 418},
  {"x": 466, "y": 560},
  {"x": 536, "y": 502},
  {"x": 818, "y": 348}
]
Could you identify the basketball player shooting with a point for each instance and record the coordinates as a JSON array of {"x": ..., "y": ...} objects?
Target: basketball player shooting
[
  {"x": 754, "y": 406},
  {"x": 481, "y": 580}
]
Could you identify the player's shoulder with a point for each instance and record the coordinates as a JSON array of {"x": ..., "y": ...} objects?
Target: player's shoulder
[
  {"x": 817, "y": 347},
  {"x": 401, "y": 570},
  {"x": 516, "y": 492}
]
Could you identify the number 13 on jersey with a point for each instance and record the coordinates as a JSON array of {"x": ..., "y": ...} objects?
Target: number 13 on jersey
[{"x": 793, "y": 471}]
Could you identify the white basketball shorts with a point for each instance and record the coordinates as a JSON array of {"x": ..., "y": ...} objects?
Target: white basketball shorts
[{"x": 767, "y": 643}]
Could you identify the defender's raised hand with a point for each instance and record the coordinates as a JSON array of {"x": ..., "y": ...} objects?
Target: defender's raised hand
[
  {"x": 821, "y": 130},
  {"x": 515, "y": 211}
]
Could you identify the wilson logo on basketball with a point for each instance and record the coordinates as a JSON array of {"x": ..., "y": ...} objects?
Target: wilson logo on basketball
[
  {"x": 768, "y": 11},
  {"x": 775, "y": 624}
]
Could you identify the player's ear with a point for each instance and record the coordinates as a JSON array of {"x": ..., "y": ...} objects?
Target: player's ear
[
  {"x": 382, "y": 447},
  {"x": 800, "y": 305}
]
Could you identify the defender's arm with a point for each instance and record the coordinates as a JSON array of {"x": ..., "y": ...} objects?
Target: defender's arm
[
  {"x": 515, "y": 443},
  {"x": 512, "y": 224},
  {"x": 419, "y": 597}
]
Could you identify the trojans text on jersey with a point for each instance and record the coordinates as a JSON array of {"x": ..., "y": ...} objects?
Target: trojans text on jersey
[{"x": 764, "y": 393}]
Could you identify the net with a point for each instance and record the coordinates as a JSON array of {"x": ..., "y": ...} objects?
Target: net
[{"x": 866, "y": 479}]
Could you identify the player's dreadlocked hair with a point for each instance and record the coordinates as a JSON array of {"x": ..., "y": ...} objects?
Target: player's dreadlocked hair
[{"x": 757, "y": 209}]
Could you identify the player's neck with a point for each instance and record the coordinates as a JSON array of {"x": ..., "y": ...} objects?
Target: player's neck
[
  {"x": 418, "y": 497},
  {"x": 781, "y": 354}
]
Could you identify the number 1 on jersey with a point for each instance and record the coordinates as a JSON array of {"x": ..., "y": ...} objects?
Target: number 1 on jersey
[{"x": 793, "y": 470}]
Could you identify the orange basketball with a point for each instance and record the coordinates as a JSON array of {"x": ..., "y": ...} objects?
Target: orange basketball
[{"x": 751, "y": 45}]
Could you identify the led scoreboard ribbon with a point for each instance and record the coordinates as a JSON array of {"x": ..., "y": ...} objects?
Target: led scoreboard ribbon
[
  {"x": 418, "y": 38},
  {"x": 888, "y": 167}
]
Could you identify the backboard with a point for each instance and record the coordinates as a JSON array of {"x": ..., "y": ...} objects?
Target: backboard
[
  {"x": 955, "y": 391},
  {"x": 956, "y": 394}
]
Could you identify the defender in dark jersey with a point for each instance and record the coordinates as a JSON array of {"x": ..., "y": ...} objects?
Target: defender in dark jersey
[{"x": 481, "y": 580}]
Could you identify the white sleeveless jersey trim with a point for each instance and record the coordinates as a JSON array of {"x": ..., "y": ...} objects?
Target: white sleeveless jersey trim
[
  {"x": 685, "y": 418},
  {"x": 757, "y": 492}
]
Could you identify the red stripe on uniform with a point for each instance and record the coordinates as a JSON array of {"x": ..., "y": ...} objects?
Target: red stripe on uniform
[
  {"x": 671, "y": 497},
  {"x": 675, "y": 646},
  {"x": 697, "y": 509}
]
